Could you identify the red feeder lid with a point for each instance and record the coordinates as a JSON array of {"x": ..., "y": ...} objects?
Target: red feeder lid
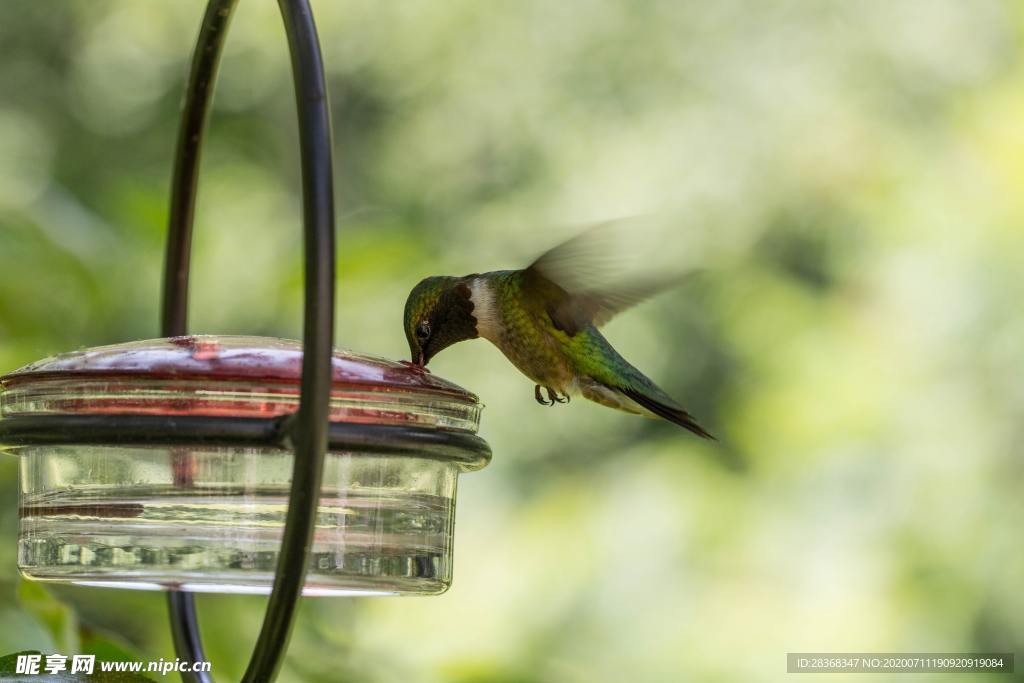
[{"x": 230, "y": 376}]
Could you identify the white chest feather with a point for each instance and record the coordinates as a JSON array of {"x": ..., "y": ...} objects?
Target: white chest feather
[{"x": 485, "y": 310}]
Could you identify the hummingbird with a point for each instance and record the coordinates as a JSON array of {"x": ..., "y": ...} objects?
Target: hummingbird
[{"x": 545, "y": 319}]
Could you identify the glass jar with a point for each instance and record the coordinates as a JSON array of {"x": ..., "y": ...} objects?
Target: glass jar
[{"x": 202, "y": 515}]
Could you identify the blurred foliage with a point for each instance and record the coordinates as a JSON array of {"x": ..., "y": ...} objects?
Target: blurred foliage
[{"x": 844, "y": 183}]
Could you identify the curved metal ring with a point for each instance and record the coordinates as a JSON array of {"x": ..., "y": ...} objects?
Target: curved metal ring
[
  {"x": 466, "y": 449},
  {"x": 310, "y": 433}
]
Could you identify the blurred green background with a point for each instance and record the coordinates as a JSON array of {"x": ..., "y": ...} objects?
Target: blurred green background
[{"x": 843, "y": 180}]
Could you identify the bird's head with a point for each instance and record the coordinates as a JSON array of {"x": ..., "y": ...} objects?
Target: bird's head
[{"x": 438, "y": 313}]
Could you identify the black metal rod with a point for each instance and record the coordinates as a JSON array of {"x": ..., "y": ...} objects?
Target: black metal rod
[
  {"x": 174, "y": 313},
  {"x": 185, "y": 633},
  {"x": 195, "y": 113},
  {"x": 309, "y": 433},
  {"x": 310, "y": 427}
]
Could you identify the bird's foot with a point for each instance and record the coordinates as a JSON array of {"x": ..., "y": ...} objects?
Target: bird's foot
[
  {"x": 554, "y": 398},
  {"x": 539, "y": 398}
]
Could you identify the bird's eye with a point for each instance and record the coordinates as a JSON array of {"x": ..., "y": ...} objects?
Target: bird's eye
[{"x": 423, "y": 330}]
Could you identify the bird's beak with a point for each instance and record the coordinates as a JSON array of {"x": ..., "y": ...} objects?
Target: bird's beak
[{"x": 421, "y": 360}]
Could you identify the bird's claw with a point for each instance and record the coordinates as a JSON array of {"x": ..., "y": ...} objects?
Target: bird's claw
[{"x": 553, "y": 396}]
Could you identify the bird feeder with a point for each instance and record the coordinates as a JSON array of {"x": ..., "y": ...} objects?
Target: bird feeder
[
  {"x": 234, "y": 464},
  {"x": 200, "y": 514}
]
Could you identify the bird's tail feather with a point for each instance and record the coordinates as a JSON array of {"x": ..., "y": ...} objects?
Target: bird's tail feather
[{"x": 673, "y": 414}]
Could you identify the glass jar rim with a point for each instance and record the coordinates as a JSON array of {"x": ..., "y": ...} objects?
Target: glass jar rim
[{"x": 230, "y": 376}]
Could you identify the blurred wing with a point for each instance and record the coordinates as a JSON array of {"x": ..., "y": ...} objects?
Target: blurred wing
[{"x": 583, "y": 280}]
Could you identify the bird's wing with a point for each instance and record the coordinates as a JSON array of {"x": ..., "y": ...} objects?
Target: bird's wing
[{"x": 582, "y": 281}]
